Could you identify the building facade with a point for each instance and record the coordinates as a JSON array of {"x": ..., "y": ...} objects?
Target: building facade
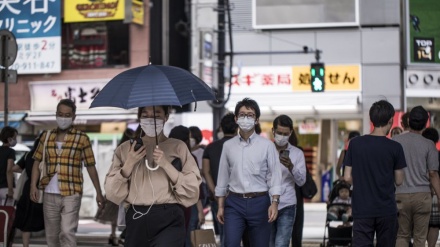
[{"x": 361, "y": 44}]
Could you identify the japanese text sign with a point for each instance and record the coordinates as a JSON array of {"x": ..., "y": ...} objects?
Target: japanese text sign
[
  {"x": 337, "y": 78},
  {"x": 81, "y": 92},
  {"x": 281, "y": 79},
  {"x": 93, "y": 10},
  {"x": 37, "y": 26},
  {"x": 262, "y": 79}
]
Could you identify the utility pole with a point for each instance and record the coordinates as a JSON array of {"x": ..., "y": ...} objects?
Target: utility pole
[
  {"x": 218, "y": 108},
  {"x": 8, "y": 53}
]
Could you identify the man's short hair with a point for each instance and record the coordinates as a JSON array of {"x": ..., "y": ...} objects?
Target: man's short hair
[
  {"x": 418, "y": 117},
  {"x": 381, "y": 112},
  {"x": 404, "y": 120},
  {"x": 228, "y": 124},
  {"x": 68, "y": 103},
  {"x": 284, "y": 121},
  {"x": 180, "y": 132},
  {"x": 353, "y": 134},
  {"x": 249, "y": 104},
  {"x": 431, "y": 134},
  {"x": 7, "y": 132}
]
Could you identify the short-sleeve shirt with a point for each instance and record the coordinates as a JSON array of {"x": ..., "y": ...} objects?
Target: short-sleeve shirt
[
  {"x": 421, "y": 157},
  {"x": 373, "y": 160},
  {"x": 76, "y": 151},
  {"x": 6, "y": 153},
  {"x": 213, "y": 153}
]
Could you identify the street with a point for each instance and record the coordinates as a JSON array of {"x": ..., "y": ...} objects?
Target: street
[{"x": 92, "y": 233}]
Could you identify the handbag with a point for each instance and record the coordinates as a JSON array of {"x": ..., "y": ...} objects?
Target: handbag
[
  {"x": 203, "y": 238},
  {"x": 43, "y": 169},
  {"x": 20, "y": 182},
  {"x": 309, "y": 189}
]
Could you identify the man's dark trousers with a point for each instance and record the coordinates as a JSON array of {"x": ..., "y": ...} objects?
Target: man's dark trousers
[{"x": 252, "y": 213}]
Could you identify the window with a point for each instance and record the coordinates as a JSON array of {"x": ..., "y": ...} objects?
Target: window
[
  {"x": 269, "y": 14},
  {"x": 95, "y": 45}
]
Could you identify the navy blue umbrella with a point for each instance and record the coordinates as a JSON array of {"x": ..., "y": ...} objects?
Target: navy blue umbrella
[{"x": 153, "y": 85}]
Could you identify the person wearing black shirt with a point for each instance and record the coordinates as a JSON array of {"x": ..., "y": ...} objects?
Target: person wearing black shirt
[{"x": 211, "y": 160}]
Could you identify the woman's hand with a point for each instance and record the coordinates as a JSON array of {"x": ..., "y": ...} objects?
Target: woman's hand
[
  {"x": 158, "y": 156},
  {"x": 135, "y": 156}
]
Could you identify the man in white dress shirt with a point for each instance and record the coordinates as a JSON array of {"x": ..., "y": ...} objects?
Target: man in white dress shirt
[
  {"x": 243, "y": 186},
  {"x": 293, "y": 169}
]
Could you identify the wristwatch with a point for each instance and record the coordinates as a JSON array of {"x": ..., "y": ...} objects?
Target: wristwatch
[{"x": 276, "y": 200}]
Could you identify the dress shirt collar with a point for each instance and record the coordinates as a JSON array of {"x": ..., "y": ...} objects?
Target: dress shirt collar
[{"x": 250, "y": 139}]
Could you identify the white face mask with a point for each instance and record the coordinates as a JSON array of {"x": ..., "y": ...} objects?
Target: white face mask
[
  {"x": 12, "y": 142},
  {"x": 64, "y": 122},
  {"x": 192, "y": 142},
  {"x": 220, "y": 135},
  {"x": 147, "y": 125},
  {"x": 245, "y": 123},
  {"x": 281, "y": 140}
]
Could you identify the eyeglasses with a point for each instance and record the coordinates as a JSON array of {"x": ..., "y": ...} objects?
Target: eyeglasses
[{"x": 248, "y": 115}]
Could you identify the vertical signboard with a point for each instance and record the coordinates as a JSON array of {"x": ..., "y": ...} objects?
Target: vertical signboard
[
  {"x": 137, "y": 9},
  {"x": 423, "y": 38},
  {"x": 206, "y": 57},
  {"x": 37, "y": 27}
]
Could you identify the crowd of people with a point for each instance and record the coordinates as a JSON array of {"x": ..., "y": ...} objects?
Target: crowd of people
[{"x": 163, "y": 183}]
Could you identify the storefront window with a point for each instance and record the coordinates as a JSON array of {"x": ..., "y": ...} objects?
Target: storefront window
[{"x": 95, "y": 45}]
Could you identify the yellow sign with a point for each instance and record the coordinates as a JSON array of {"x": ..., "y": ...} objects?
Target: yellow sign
[
  {"x": 93, "y": 10},
  {"x": 137, "y": 9},
  {"x": 337, "y": 78}
]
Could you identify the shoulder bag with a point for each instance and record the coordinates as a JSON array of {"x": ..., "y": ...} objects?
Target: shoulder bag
[
  {"x": 21, "y": 181},
  {"x": 309, "y": 189},
  {"x": 43, "y": 169}
]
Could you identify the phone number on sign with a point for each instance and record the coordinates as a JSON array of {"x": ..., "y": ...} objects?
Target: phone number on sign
[{"x": 33, "y": 65}]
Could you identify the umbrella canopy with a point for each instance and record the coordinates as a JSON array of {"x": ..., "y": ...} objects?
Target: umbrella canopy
[{"x": 153, "y": 85}]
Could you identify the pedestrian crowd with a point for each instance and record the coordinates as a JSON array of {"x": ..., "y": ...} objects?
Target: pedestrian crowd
[{"x": 163, "y": 184}]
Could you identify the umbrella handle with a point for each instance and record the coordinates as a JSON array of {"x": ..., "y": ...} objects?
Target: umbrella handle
[{"x": 151, "y": 168}]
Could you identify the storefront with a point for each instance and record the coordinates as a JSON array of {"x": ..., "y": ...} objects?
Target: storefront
[
  {"x": 423, "y": 88},
  {"x": 321, "y": 120}
]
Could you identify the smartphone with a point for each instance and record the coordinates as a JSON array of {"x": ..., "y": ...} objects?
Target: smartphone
[
  {"x": 139, "y": 143},
  {"x": 285, "y": 153}
]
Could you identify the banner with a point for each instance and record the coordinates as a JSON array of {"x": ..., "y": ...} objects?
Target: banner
[
  {"x": 279, "y": 79},
  {"x": 423, "y": 38},
  {"x": 37, "y": 28},
  {"x": 93, "y": 10}
]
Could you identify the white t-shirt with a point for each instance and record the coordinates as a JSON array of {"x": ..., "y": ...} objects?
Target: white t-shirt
[{"x": 53, "y": 187}]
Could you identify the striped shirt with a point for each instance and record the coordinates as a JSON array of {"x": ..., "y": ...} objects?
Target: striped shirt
[{"x": 76, "y": 151}]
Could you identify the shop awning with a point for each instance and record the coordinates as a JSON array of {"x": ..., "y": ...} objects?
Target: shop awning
[
  {"x": 304, "y": 104},
  {"x": 14, "y": 119},
  {"x": 88, "y": 117}
]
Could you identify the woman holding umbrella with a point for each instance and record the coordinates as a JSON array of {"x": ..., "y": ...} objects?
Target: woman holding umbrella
[{"x": 154, "y": 182}]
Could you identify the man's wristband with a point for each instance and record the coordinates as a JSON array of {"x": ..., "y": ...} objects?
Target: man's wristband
[{"x": 276, "y": 200}]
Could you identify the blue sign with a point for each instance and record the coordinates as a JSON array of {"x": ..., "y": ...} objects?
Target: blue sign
[
  {"x": 31, "y": 18},
  {"x": 36, "y": 25}
]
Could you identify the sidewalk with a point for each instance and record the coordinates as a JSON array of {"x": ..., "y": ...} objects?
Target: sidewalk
[{"x": 91, "y": 233}]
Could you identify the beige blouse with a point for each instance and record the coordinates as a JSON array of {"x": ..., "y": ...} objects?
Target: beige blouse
[{"x": 138, "y": 190}]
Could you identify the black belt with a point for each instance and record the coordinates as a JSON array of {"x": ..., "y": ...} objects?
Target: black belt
[{"x": 249, "y": 195}]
